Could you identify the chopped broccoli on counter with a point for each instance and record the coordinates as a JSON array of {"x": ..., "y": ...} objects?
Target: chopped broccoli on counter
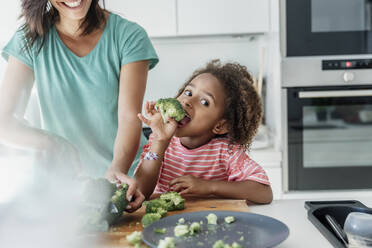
[
  {"x": 170, "y": 107},
  {"x": 149, "y": 218},
  {"x": 212, "y": 219},
  {"x": 167, "y": 242},
  {"x": 134, "y": 238},
  {"x": 229, "y": 219},
  {"x": 157, "y": 205},
  {"x": 194, "y": 228},
  {"x": 181, "y": 230},
  {"x": 174, "y": 200}
]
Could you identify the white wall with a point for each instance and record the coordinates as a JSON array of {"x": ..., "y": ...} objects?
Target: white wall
[
  {"x": 179, "y": 57},
  {"x": 9, "y": 13}
]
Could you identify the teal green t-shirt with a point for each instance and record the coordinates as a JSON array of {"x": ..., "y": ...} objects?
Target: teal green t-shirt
[{"x": 79, "y": 95}]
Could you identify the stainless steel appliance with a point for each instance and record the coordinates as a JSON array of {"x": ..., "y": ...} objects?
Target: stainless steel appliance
[{"x": 326, "y": 71}]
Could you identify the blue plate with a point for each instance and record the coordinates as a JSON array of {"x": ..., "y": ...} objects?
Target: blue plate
[{"x": 249, "y": 230}]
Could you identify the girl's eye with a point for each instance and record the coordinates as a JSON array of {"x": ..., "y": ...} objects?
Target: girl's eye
[
  {"x": 204, "y": 102},
  {"x": 188, "y": 93}
]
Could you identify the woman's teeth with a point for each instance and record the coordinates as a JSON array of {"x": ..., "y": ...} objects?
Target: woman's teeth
[{"x": 73, "y": 4}]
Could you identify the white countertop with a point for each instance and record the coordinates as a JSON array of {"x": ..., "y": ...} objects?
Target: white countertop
[{"x": 302, "y": 233}]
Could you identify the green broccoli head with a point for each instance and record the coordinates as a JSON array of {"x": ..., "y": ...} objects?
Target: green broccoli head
[
  {"x": 174, "y": 201},
  {"x": 170, "y": 107},
  {"x": 157, "y": 205},
  {"x": 149, "y": 218},
  {"x": 106, "y": 199}
]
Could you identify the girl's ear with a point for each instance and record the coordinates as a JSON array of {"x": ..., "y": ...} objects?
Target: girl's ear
[{"x": 221, "y": 127}]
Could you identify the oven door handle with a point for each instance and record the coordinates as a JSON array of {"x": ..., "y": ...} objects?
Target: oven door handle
[{"x": 334, "y": 93}]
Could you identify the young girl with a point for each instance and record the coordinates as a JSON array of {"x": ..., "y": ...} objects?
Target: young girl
[{"x": 205, "y": 154}]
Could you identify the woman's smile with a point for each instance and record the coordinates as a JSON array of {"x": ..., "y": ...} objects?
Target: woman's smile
[{"x": 73, "y": 4}]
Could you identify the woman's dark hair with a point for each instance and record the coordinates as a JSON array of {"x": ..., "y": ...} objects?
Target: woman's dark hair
[
  {"x": 40, "y": 15},
  {"x": 243, "y": 110}
]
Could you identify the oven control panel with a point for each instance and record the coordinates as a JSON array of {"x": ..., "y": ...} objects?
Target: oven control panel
[{"x": 346, "y": 64}]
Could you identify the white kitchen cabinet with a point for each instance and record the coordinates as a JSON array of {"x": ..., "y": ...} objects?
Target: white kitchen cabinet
[
  {"x": 211, "y": 17},
  {"x": 158, "y": 18}
]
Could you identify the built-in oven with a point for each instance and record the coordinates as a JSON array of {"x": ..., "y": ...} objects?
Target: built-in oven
[
  {"x": 329, "y": 137},
  {"x": 326, "y": 89}
]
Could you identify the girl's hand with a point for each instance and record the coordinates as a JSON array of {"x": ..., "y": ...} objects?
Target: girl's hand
[
  {"x": 191, "y": 185},
  {"x": 114, "y": 175},
  {"x": 161, "y": 131}
]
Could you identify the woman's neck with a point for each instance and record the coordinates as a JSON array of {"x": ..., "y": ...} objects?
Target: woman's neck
[{"x": 68, "y": 27}]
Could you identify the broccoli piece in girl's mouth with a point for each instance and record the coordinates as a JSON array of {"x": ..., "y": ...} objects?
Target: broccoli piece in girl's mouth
[{"x": 170, "y": 107}]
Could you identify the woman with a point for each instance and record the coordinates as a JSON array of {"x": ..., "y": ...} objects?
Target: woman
[{"x": 90, "y": 68}]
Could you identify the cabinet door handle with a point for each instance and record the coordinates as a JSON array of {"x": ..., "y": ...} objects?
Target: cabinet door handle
[{"x": 334, "y": 93}]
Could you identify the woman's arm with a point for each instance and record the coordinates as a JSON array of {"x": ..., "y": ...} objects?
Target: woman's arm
[
  {"x": 15, "y": 92},
  {"x": 249, "y": 190},
  {"x": 133, "y": 77}
]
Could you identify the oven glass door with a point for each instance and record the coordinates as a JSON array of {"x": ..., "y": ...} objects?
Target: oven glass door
[
  {"x": 328, "y": 27},
  {"x": 329, "y": 138}
]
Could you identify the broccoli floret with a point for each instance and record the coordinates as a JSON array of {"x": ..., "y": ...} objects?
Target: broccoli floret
[
  {"x": 212, "y": 219},
  {"x": 236, "y": 245},
  {"x": 160, "y": 230},
  {"x": 181, "y": 220},
  {"x": 174, "y": 200},
  {"x": 229, "y": 219},
  {"x": 167, "y": 242},
  {"x": 134, "y": 238},
  {"x": 119, "y": 199},
  {"x": 148, "y": 219},
  {"x": 105, "y": 199},
  {"x": 181, "y": 230},
  {"x": 157, "y": 205},
  {"x": 219, "y": 244},
  {"x": 194, "y": 228},
  {"x": 170, "y": 107}
]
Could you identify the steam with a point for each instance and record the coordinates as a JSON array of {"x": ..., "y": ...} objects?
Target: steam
[{"x": 40, "y": 202}]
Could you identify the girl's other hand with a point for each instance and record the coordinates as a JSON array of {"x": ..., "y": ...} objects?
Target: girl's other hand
[
  {"x": 134, "y": 196},
  {"x": 190, "y": 185},
  {"x": 161, "y": 131}
]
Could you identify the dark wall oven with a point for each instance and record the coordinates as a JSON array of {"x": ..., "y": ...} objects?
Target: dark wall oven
[
  {"x": 329, "y": 137},
  {"x": 326, "y": 69}
]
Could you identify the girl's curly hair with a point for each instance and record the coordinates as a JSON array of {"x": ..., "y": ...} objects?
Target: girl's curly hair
[{"x": 243, "y": 109}]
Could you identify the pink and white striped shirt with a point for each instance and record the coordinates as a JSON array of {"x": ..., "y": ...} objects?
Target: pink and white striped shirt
[{"x": 215, "y": 160}]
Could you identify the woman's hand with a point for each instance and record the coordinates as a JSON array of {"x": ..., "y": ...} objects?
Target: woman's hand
[
  {"x": 115, "y": 175},
  {"x": 161, "y": 131},
  {"x": 191, "y": 185}
]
